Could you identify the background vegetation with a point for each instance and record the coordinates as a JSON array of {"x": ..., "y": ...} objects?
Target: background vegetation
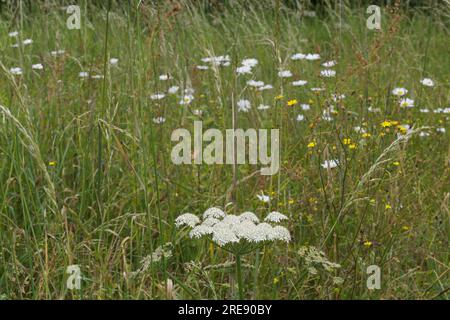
[{"x": 86, "y": 176}]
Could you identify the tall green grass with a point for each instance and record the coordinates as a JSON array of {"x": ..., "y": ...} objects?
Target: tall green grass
[{"x": 111, "y": 196}]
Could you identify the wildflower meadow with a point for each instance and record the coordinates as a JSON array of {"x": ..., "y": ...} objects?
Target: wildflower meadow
[{"x": 180, "y": 149}]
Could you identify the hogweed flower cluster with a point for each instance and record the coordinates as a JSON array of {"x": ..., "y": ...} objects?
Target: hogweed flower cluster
[{"x": 238, "y": 234}]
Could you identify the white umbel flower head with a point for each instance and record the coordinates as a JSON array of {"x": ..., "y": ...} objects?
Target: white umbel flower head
[
  {"x": 213, "y": 212},
  {"x": 253, "y": 83},
  {"x": 299, "y": 83},
  {"x": 248, "y": 216},
  {"x": 298, "y": 56},
  {"x": 328, "y": 73},
  {"x": 251, "y": 62},
  {"x": 230, "y": 220},
  {"x": 223, "y": 236},
  {"x": 312, "y": 56},
  {"x": 285, "y": 73},
  {"x": 244, "y": 70},
  {"x": 266, "y": 232},
  {"x": 187, "y": 219},
  {"x": 282, "y": 233},
  {"x": 200, "y": 231},
  {"x": 210, "y": 222},
  {"x": 329, "y": 64},
  {"x": 275, "y": 216}
]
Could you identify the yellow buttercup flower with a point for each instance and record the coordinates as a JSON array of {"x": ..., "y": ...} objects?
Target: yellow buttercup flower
[
  {"x": 388, "y": 206},
  {"x": 366, "y": 135},
  {"x": 352, "y": 146},
  {"x": 368, "y": 244},
  {"x": 311, "y": 144},
  {"x": 347, "y": 141},
  {"x": 386, "y": 124},
  {"x": 292, "y": 102}
]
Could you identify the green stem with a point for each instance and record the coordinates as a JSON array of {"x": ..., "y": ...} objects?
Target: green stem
[{"x": 239, "y": 276}]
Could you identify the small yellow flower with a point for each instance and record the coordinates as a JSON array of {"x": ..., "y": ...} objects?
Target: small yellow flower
[
  {"x": 311, "y": 144},
  {"x": 396, "y": 163},
  {"x": 347, "y": 141},
  {"x": 279, "y": 97},
  {"x": 402, "y": 129},
  {"x": 353, "y": 146},
  {"x": 291, "y": 201},
  {"x": 292, "y": 102},
  {"x": 386, "y": 124},
  {"x": 52, "y": 163},
  {"x": 276, "y": 280},
  {"x": 368, "y": 244},
  {"x": 366, "y": 135},
  {"x": 388, "y": 206}
]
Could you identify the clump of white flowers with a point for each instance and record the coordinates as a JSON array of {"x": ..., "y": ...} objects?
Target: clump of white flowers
[
  {"x": 315, "y": 259},
  {"x": 235, "y": 230},
  {"x": 237, "y": 234}
]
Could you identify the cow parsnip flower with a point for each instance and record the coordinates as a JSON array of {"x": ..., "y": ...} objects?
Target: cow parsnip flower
[{"x": 239, "y": 234}]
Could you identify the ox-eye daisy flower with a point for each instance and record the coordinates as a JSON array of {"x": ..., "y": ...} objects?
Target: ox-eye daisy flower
[
  {"x": 399, "y": 92},
  {"x": 37, "y": 66},
  {"x": 262, "y": 197},
  {"x": 16, "y": 71},
  {"x": 157, "y": 96},
  {"x": 243, "y": 105},
  {"x": 330, "y": 164},
  {"x": 165, "y": 77},
  {"x": 427, "y": 82},
  {"x": 83, "y": 74},
  {"x": 113, "y": 61},
  {"x": 406, "y": 103}
]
